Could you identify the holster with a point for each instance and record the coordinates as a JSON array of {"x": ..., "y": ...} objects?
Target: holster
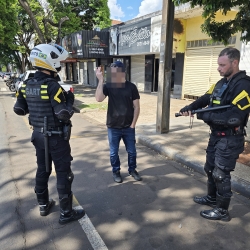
[{"x": 67, "y": 131}]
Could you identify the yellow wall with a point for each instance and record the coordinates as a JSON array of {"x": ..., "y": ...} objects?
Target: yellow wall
[{"x": 193, "y": 26}]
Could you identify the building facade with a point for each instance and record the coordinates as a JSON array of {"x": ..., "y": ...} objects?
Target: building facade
[{"x": 137, "y": 44}]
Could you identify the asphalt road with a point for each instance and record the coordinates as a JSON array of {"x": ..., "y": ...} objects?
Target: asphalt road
[{"x": 156, "y": 213}]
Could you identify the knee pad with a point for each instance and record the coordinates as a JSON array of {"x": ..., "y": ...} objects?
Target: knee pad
[
  {"x": 64, "y": 181},
  {"x": 223, "y": 182}
]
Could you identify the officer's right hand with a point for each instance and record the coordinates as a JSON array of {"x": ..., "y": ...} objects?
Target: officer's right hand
[{"x": 186, "y": 111}]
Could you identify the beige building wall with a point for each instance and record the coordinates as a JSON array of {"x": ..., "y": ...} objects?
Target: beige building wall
[{"x": 193, "y": 26}]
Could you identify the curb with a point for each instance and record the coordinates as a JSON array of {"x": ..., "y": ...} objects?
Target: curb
[{"x": 238, "y": 184}]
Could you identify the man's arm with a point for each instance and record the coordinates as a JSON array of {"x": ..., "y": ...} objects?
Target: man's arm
[
  {"x": 136, "y": 104},
  {"x": 99, "y": 96}
]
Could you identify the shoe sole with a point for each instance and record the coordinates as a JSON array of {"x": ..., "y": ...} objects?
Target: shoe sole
[
  {"x": 206, "y": 204},
  {"x": 135, "y": 178},
  {"x": 45, "y": 213},
  {"x": 67, "y": 222},
  {"x": 226, "y": 219},
  {"x": 118, "y": 181}
]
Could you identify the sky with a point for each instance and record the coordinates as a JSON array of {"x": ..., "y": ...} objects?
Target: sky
[{"x": 125, "y": 10}]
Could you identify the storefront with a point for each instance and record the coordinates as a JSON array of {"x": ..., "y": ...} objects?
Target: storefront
[
  {"x": 86, "y": 48},
  {"x": 137, "y": 44}
]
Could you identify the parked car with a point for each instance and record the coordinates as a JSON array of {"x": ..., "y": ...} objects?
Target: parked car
[
  {"x": 30, "y": 74},
  {"x": 6, "y": 76}
]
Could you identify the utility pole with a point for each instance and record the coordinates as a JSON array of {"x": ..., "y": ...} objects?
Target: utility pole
[{"x": 165, "y": 67}]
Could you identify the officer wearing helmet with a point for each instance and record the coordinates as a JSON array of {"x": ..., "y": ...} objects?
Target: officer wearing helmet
[{"x": 42, "y": 96}]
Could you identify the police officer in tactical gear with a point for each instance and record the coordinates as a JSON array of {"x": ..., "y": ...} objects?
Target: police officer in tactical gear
[
  {"x": 226, "y": 140},
  {"x": 42, "y": 96}
]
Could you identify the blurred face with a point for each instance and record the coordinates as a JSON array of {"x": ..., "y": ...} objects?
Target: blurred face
[
  {"x": 227, "y": 67},
  {"x": 116, "y": 77}
]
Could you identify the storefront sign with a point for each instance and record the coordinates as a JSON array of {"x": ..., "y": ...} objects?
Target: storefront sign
[
  {"x": 77, "y": 51},
  {"x": 135, "y": 37},
  {"x": 87, "y": 44},
  {"x": 95, "y": 44}
]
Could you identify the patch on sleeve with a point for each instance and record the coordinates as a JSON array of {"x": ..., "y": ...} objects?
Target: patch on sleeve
[
  {"x": 242, "y": 100},
  {"x": 59, "y": 96}
]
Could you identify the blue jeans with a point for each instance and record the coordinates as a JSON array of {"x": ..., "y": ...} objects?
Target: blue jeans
[{"x": 128, "y": 136}]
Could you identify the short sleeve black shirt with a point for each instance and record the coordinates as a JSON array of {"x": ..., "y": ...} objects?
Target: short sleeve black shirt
[{"x": 120, "y": 112}]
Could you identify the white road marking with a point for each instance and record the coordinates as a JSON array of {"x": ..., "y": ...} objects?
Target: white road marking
[
  {"x": 93, "y": 236},
  {"x": 3, "y": 89}
]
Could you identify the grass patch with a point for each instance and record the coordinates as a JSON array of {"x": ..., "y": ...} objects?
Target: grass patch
[{"x": 100, "y": 106}]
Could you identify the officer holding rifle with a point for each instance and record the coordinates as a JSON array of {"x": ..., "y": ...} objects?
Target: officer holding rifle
[
  {"x": 50, "y": 109},
  {"x": 227, "y": 127}
]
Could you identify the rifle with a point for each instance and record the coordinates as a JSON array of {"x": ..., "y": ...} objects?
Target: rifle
[
  {"x": 46, "y": 134},
  {"x": 206, "y": 110}
]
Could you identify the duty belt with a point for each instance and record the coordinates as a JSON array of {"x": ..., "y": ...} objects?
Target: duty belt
[
  {"x": 235, "y": 131},
  {"x": 40, "y": 129}
]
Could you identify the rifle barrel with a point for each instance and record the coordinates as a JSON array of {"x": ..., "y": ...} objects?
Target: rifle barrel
[{"x": 206, "y": 110}]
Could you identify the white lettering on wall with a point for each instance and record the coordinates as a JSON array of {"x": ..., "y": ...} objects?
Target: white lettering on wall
[{"x": 135, "y": 36}]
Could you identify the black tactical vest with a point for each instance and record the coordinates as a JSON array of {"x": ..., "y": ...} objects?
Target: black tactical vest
[
  {"x": 36, "y": 94},
  {"x": 222, "y": 92}
]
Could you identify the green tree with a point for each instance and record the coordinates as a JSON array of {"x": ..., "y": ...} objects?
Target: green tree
[
  {"x": 25, "y": 23},
  {"x": 222, "y": 31},
  {"x": 8, "y": 25}
]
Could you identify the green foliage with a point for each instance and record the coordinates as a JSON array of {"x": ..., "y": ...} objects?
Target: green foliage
[
  {"x": 82, "y": 14},
  {"x": 18, "y": 33},
  {"x": 8, "y": 25},
  {"x": 222, "y": 31}
]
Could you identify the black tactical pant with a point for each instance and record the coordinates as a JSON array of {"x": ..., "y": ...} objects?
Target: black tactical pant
[
  {"x": 60, "y": 154},
  {"x": 222, "y": 153}
]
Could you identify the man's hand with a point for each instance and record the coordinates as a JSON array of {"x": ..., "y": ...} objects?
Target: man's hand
[
  {"x": 99, "y": 73},
  {"x": 186, "y": 111},
  {"x": 99, "y": 96}
]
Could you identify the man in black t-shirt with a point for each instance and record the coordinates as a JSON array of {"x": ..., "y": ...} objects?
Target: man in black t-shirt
[{"x": 123, "y": 112}]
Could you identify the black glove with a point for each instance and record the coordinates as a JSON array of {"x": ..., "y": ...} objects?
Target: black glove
[
  {"x": 70, "y": 97},
  {"x": 205, "y": 116},
  {"x": 185, "y": 109}
]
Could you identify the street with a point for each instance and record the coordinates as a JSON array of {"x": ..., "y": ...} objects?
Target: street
[{"x": 156, "y": 213}]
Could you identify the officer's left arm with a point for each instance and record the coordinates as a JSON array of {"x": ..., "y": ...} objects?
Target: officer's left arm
[
  {"x": 235, "y": 115},
  {"x": 20, "y": 107},
  {"x": 62, "y": 107}
]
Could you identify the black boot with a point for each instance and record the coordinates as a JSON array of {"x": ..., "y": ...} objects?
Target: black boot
[
  {"x": 45, "y": 204},
  {"x": 67, "y": 213},
  {"x": 210, "y": 198},
  {"x": 220, "y": 212}
]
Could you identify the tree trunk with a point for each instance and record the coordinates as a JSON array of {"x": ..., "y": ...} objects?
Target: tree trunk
[{"x": 28, "y": 10}]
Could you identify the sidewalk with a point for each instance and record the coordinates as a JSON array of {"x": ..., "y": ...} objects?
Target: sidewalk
[{"x": 182, "y": 144}]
